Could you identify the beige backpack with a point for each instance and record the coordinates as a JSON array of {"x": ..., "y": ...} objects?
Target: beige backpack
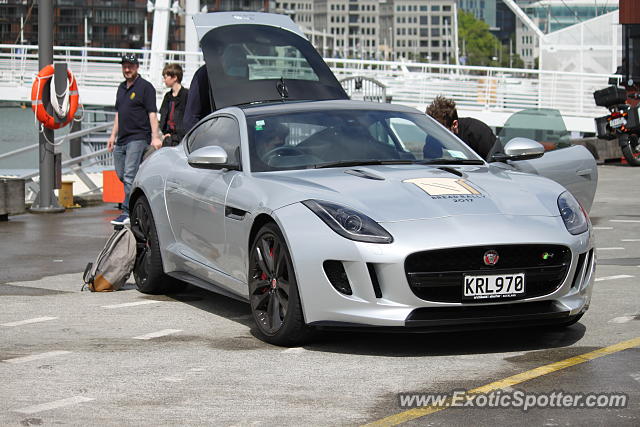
[{"x": 115, "y": 263}]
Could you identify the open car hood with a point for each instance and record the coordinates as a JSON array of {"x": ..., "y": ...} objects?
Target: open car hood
[{"x": 261, "y": 57}]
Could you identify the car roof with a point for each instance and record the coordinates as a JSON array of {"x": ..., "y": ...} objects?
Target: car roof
[{"x": 330, "y": 105}]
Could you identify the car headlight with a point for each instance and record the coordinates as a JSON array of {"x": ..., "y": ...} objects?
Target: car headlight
[
  {"x": 574, "y": 217},
  {"x": 349, "y": 223}
]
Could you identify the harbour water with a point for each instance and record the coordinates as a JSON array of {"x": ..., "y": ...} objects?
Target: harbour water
[{"x": 17, "y": 130}]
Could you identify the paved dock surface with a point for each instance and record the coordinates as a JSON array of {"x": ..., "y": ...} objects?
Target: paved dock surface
[{"x": 124, "y": 358}]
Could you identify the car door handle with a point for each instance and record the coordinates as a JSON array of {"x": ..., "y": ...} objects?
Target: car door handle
[
  {"x": 584, "y": 172},
  {"x": 234, "y": 213}
]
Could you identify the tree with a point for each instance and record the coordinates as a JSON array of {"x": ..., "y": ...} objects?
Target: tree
[{"x": 479, "y": 46}]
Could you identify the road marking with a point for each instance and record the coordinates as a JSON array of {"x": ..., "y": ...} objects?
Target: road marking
[
  {"x": 28, "y": 321},
  {"x": 636, "y": 376},
  {"x": 610, "y": 249},
  {"x": 33, "y": 357},
  {"x": 624, "y": 220},
  {"x": 131, "y": 304},
  {"x": 158, "y": 334},
  {"x": 603, "y": 228},
  {"x": 415, "y": 413},
  {"x": 619, "y": 276},
  {"x": 621, "y": 319},
  {"x": 630, "y": 240},
  {"x": 53, "y": 405},
  {"x": 294, "y": 350},
  {"x": 172, "y": 379}
]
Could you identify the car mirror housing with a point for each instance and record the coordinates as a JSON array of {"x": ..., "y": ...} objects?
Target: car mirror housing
[
  {"x": 212, "y": 157},
  {"x": 520, "y": 149}
]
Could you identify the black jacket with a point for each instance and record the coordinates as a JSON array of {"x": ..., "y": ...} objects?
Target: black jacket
[
  {"x": 478, "y": 136},
  {"x": 198, "y": 102},
  {"x": 178, "y": 114}
]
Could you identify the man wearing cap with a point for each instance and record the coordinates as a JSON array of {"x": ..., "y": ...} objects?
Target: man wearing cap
[{"x": 135, "y": 126}]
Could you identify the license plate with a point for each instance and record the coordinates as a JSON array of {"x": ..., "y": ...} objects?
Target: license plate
[
  {"x": 490, "y": 287},
  {"x": 616, "y": 123}
]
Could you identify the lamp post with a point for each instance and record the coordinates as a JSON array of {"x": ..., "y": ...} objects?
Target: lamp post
[{"x": 46, "y": 201}]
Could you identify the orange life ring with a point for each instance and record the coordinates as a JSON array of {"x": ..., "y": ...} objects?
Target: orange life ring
[{"x": 39, "y": 108}]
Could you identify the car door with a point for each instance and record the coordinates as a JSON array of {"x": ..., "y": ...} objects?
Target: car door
[
  {"x": 196, "y": 196},
  {"x": 573, "y": 167}
]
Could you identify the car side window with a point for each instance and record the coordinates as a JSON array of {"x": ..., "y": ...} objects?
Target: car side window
[{"x": 221, "y": 131}]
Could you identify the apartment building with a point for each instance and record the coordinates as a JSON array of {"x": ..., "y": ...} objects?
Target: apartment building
[
  {"x": 424, "y": 31},
  {"x": 484, "y": 10}
]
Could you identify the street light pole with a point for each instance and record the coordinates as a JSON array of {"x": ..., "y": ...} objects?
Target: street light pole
[{"x": 46, "y": 201}]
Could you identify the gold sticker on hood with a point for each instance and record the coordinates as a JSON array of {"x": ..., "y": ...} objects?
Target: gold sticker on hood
[{"x": 444, "y": 186}]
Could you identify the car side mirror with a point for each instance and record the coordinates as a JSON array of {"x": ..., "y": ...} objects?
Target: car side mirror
[
  {"x": 212, "y": 157},
  {"x": 519, "y": 149}
]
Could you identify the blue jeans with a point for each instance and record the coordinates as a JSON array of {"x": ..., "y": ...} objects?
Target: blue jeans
[{"x": 126, "y": 159}]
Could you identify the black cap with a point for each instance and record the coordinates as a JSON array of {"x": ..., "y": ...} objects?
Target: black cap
[{"x": 129, "y": 58}]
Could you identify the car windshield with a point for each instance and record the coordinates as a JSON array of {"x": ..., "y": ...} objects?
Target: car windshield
[{"x": 333, "y": 138}]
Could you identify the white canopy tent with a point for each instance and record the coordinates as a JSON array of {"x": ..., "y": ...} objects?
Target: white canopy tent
[{"x": 593, "y": 46}]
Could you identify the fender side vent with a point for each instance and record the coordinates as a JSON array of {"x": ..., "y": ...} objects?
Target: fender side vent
[
  {"x": 337, "y": 276},
  {"x": 579, "y": 274},
  {"x": 374, "y": 280}
]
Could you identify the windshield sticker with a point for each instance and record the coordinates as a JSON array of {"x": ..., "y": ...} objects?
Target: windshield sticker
[
  {"x": 260, "y": 125},
  {"x": 457, "y": 190}
]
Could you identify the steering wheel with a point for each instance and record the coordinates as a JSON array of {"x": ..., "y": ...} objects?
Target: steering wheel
[{"x": 282, "y": 151}]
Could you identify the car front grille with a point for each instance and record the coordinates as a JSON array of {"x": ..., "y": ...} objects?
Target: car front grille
[{"x": 438, "y": 275}]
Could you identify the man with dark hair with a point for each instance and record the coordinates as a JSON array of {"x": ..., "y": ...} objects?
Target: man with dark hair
[
  {"x": 476, "y": 134},
  {"x": 135, "y": 126},
  {"x": 173, "y": 106}
]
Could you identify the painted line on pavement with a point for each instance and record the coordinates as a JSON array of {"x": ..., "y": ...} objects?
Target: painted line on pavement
[
  {"x": 619, "y": 276},
  {"x": 636, "y": 376},
  {"x": 53, "y": 405},
  {"x": 540, "y": 371},
  {"x": 621, "y": 319},
  {"x": 630, "y": 240},
  {"x": 38, "y": 356},
  {"x": 131, "y": 304},
  {"x": 28, "y": 321},
  {"x": 158, "y": 334},
  {"x": 625, "y": 220},
  {"x": 610, "y": 249},
  {"x": 603, "y": 228}
]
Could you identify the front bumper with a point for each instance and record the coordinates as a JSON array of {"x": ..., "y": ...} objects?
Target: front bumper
[{"x": 381, "y": 295}]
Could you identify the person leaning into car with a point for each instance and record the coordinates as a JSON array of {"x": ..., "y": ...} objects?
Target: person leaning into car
[
  {"x": 173, "y": 106},
  {"x": 135, "y": 126},
  {"x": 473, "y": 132}
]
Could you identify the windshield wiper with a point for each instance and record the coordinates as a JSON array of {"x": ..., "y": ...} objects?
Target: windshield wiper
[
  {"x": 346, "y": 163},
  {"x": 451, "y": 162}
]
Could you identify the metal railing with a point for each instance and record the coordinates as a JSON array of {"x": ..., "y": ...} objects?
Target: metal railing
[
  {"x": 473, "y": 88},
  {"x": 95, "y": 158}
]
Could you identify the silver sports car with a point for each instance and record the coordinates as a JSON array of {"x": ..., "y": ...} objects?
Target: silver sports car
[{"x": 325, "y": 212}]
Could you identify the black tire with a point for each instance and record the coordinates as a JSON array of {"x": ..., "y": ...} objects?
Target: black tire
[
  {"x": 148, "y": 272},
  {"x": 273, "y": 290},
  {"x": 631, "y": 150}
]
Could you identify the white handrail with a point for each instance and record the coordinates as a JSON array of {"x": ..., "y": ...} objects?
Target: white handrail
[{"x": 486, "y": 89}]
